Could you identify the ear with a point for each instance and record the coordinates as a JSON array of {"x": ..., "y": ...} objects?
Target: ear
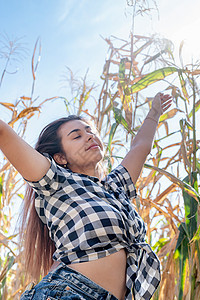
[{"x": 60, "y": 158}]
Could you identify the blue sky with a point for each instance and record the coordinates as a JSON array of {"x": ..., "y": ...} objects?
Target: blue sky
[{"x": 70, "y": 33}]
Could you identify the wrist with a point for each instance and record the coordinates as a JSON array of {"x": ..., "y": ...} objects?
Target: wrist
[
  {"x": 154, "y": 115},
  {"x": 152, "y": 119}
]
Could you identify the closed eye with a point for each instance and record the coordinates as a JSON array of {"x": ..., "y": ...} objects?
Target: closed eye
[
  {"x": 77, "y": 137},
  {"x": 90, "y": 131}
]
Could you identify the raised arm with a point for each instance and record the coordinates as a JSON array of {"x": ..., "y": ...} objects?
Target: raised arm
[
  {"x": 28, "y": 162},
  {"x": 142, "y": 143}
]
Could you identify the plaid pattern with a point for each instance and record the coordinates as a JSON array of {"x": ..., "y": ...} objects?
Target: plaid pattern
[{"x": 89, "y": 219}]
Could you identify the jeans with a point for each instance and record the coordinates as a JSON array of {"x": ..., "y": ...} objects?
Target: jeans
[{"x": 66, "y": 284}]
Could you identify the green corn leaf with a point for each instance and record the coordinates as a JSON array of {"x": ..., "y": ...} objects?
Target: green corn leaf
[
  {"x": 183, "y": 123},
  {"x": 182, "y": 234},
  {"x": 111, "y": 135},
  {"x": 150, "y": 79},
  {"x": 120, "y": 119},
  {"x": 198, "y": 165},
  {"x": 122, "y": 68},
  {"x": 154, "y": 57},
  {"x": 183, "y": 86},
  {"x": 21, "y": 196},
  {"x": 198, "y": 250},
  {"x": 166, "y": 136},
  {"x": 182, "y": 255},
  {"x": 189, "y": 125},
  {"x": 11, "y": 261},
  {"x": 197, "y": 106},
  {"x": 196, "y": 237},
  {"x": 159, "y": 244},
  {"x": 191, "y": 205}
]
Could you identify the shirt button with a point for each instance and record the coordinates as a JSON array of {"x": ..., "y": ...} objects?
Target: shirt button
[{"x": 67, "y": 288}]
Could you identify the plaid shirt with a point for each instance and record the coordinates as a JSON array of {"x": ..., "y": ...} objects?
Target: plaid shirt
[{"x": 88, "y": 219}]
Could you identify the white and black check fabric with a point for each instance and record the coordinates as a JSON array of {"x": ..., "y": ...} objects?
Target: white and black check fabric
[{"x": 89, "y": 219}]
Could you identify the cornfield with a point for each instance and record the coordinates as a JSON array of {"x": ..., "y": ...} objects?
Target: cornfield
[{"x": 168, "y": 196}]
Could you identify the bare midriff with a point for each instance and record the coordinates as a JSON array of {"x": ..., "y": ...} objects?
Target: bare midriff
[{"x": 109, "y": 272}]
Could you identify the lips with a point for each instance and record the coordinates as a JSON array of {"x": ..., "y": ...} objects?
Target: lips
[{"x": 93, "y": 146}]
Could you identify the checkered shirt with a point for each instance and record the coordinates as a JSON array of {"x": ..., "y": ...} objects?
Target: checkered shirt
[{"x": 90, "y": 219}]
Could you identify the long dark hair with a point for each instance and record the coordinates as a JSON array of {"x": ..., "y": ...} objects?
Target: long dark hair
[{"x": 38, "y": 248}]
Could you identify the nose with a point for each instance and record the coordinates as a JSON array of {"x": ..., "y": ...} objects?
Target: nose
[{"x": 89, "y": 135}]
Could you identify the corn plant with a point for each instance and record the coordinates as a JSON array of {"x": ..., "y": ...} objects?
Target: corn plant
[
  {"x": 168, "y": 186},
  {"x": 172, "y": 169},
  {"x": 12, "y": 281}
]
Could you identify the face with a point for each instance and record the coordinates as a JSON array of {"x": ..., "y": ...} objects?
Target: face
[{"x": 82, "y": 148}]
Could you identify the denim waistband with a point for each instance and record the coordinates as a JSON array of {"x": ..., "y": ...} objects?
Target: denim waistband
[{"x": 64, "y": 281}]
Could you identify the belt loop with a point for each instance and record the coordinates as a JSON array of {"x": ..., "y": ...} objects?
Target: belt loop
[
  {"x": 30, "y": 286},
  {"x": 62, "y": 264}
]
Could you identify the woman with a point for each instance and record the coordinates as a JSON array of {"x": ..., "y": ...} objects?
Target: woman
[{"x": 96, "y": 235}]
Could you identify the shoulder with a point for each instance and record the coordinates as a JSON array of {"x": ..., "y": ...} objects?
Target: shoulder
[
  {"x": 54, "y": 176},
  {"x": 120, "y": 178}
]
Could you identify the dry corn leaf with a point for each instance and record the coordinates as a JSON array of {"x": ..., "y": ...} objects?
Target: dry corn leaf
[
  {"x": 10, "y": 106},
  {"x": 129, "y": 115},
  {"x": 145, "y": 212},
  {"x": 184, "y": 155},
  {"x": 195, "y": 72},
  {"x": 34, "y": 68},
  {"x": 5, "y": 167},
  {"x": 170, "y": 114},
  {"x": 147, "y": 180},
  {"x": 24, "y": 113},
  {"x": 161, "y": 197},
  {"x": 14, "y": 115},
  {"x": 172, "y": 145},
  {"x": 30, "y": 115},
  {"x": 166, "y": 127},
  {"x": 171, "y": 213},
  {"x": 157, "y": 207},
  {"x": 183, "y": 185},
  {"x": 49, "y": 99},
  {"x": 180, "y": 52},
  {"x": 167, "y": 289},
  {"x": 25, "y": 98}
]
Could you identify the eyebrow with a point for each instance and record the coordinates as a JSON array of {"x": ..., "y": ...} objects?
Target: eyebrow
[{"x": 75, "y": 130}]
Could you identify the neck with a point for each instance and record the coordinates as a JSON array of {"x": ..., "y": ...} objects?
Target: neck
[{"x": 90, "y": 170}]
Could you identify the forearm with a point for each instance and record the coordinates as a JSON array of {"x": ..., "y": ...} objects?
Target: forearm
[
  {"x": 146, "y": 133},
  {"x": 142, "y": 143},
  {"x": 21, "y": 155}
]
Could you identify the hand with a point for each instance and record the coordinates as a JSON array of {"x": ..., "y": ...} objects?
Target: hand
[{"x": 161, "y": 103}]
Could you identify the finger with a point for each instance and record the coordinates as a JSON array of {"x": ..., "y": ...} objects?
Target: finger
[
  {"x": 165, "y": 107},
  {"x": 166, "y": 103},
  {"x": 165, "y": 100},
  {"x": 165, "y": 96}
]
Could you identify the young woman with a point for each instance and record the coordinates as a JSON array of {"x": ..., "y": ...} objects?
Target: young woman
[{"x": 89, "y": 225}]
